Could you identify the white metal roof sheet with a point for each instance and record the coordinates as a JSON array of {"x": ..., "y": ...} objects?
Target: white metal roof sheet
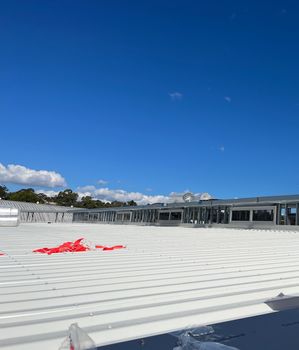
[
  {"x": 34, "y": 207},
  {"x": 166, "y": 279}
]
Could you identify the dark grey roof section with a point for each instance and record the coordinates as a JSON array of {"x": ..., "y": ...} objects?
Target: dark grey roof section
[{"x": 214, "y": 202}]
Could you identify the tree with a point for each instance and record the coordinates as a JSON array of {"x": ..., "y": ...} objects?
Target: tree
[
  {"x": 115, "y": 204},
  {"x": 25, "y": 195},
  {"x": 87, "y": 202},
  {"x": 3, "y": 192},
  {"x": 43, "y": 198},
  {"x": 131, "y": 203},
  {"x": 66, "y": 198},
  {"x": 100, "y": 204}
]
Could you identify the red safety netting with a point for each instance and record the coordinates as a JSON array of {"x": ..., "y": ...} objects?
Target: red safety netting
[
  {"x": 110, "y": 248},
  {"x": 80, "y": 245}
]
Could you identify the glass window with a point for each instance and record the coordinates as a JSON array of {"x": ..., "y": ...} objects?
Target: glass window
[
  {"x": 126, "y": 217},
  {"x": 262, "y": 215},
  {"x": 164, "y": 216},
  {"x": 119, "y": 217},
  {"x": 240, "y": 215},
  {"x": 175, "y": 215}
]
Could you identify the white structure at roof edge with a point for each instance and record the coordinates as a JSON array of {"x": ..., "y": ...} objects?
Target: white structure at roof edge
[
  {"x": 190, "y": 197},
  {"x": 33, "y": 212},
  {"x": 9, "y": 217},
  {"x": 167, "y": 278}
]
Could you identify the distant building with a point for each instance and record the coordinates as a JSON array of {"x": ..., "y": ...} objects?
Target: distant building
[
  {"x": 256, "y": 212},
  {"x": 242, "y": 213}
]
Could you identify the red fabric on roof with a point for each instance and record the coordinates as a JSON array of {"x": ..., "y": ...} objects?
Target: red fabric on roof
[
  {"x": 72, "y": 247},
  {"x": 114, "y": 247},
  {"x": 110, "y": 248}
]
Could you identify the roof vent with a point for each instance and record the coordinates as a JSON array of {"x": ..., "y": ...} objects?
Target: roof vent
[
  {"x": 188, "y": 197},
  {"x": 205, "y": 197}
]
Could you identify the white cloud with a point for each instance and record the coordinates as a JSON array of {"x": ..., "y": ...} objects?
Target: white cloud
[
  {"x": 18, "y": 174},
  {"x": 48, "y": 193},
  {"x": 102, "y": 182},
  {"x": 108, "y": 195},
  {"x": 176, "y": 196},
  {"x": 175, "y": 96},
  {"x": 228, "y": 99}
]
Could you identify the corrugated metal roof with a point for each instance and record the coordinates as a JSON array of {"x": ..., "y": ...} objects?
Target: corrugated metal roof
[
  {"x": 166, "y": 279},
  {"x": 26, "y": 206}
]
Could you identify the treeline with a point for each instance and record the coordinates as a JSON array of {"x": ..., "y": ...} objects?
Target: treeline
[{"x": 65, "y": 198}]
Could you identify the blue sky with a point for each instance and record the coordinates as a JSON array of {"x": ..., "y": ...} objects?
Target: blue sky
[{"x": 151, "y": 96}]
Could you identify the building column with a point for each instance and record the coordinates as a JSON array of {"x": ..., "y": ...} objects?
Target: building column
[
  {"x": 185, "y": 215},
  {"x": 211, "y": 215},
  {"x": 278, "y": 214},
  {"x": 206, "y": 215},
  {"x": 230, "y": 215},
  {"x": 226, "y": 215},
  {"x": 297, "y": 213},
  {"x": 251, "y": 215}
]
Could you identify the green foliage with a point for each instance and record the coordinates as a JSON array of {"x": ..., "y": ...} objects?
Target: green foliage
[
  {"x": 3, "y": 192},
  {"x": 43, "y": 198},
  {"x": 116, "y": 204},
  {"x": 25, "y": 195},
  {"x": 66, "y": 198},
  {"x": 89, "y": 203},
  {"x": 131, "y": 203}
]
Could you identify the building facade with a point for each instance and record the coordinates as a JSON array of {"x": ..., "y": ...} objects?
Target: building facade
[{"x": 242, "y": 213}]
